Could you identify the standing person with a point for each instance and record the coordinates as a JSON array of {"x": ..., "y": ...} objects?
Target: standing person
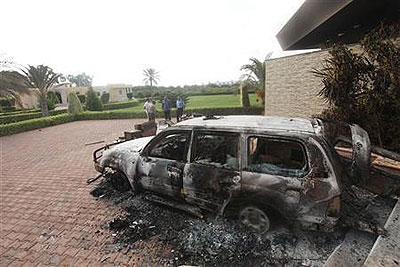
[
  {"x": 146, "y": 107},
  {"x": 153, "y": 111},
  {"x": 166, "y": 106},
  {"x": 180, "y": 104}
]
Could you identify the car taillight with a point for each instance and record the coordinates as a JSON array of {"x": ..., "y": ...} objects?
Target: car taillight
[{"x": 334, "y": 207}]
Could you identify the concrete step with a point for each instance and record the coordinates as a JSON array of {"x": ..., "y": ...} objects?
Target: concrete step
[
  {"x": 352, "y": 251},
  {"x": 386, "y": 250}
]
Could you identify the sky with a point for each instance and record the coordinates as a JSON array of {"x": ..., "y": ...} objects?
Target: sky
[{"x": 187, "y": 41}]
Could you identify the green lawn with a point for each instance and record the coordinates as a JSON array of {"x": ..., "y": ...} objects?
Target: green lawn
[{"x": 209, "y": 101}]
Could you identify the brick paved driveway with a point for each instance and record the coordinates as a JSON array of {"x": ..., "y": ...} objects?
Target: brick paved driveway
[{"x": 48, "y": 216}]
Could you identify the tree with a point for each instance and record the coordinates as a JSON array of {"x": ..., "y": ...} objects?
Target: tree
[
  {"x": 365, "y": 88},
  {"x": 105, "y": 98},
  {"x": 244, "y": 94},
  {"x": 42, "y": 78},
  {"x": 81, "y": 79},
  {"x": 93, "y": 102},
  {"x": 74, "y": 105},
  {"x": 52, "y": 100},
  {"x": 129, "y": 95},
  {"x": 256, "y": 75},
  {"x": 151, "y": 77}
]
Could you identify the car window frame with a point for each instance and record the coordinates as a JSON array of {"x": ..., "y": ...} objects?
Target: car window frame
[
  {"x": 159, "y": 137},
  {"x": 193, "y": 148},
  {"x": 279, "y": 138}
]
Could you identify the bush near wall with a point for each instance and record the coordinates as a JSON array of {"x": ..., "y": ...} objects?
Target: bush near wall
[
  {"x": 118, "y": 105},
  {"x": 122, "y": 114},
  {"x": 2, "y": 114},
  {"x": 6, "y": 118},
  {"x": 33, "y": 124},
  {"x": 27, "y": 116}
]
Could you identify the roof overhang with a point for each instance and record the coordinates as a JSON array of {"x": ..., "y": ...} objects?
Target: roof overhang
[{"x": 318, "y": 22}]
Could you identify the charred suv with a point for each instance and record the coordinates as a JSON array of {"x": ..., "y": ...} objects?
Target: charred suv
[{"x": 253, "y": 166}]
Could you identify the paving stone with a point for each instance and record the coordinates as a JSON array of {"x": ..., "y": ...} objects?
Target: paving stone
[{"x": 47, "y": 214}]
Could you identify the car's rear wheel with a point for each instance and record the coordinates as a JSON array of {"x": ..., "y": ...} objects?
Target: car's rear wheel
[{"x": 254, "y": 219}]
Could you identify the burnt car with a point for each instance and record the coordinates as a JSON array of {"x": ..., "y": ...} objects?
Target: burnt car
[{"x": 256, "y": 167}]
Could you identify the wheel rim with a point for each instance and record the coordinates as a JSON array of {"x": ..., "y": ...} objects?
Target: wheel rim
[{"x": 254, "y": 219}]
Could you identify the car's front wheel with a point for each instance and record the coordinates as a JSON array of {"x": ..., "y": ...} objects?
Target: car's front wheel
[{"x": 254, "y": 219}]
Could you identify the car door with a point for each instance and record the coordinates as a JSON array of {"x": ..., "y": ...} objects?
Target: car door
[
  {"x": 290, "y": 175},
  {"x": 354, "y": 140},
  {"x": 160, "y": 166},
  {"x": 213, "y": 172},
  {"x": 273, "y": 172}
]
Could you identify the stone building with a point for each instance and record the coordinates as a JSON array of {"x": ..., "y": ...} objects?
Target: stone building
[{"x": 291, "y": 88}]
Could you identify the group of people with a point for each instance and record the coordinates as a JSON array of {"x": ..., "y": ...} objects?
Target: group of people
[{"x": 150, "y": 108}]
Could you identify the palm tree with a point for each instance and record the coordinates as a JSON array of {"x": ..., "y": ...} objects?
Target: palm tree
[
  {"x": 12, "y": 85},
  {"x": 151, "y": 77},
  {"x": 43, "y": 78},
  {"x": 256, "y": 75}
]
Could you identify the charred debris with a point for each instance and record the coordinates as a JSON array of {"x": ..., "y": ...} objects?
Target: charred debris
[{"x": 199, "y": 238}]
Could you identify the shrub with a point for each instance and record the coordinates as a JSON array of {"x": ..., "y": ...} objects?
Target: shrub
[
  {"x": 52, "y": 100},
  {"x": 82, "y": 98},
  {"x": 365, "y": 88},
  {"x": 139, "y": 95},
  {"x": 244, "y": 94},
  {"x": 105, "y": 98},
  {"x": 126, "y": 114},
  {"x": 19, "y": 112},
  {"x": 129, "y": 95},
  {"x": 74, "y": 105},
  {"x": 93, "y": 102},
  {"x": 26, "y": 116},
  {"x": 35, "y": 124},
  {"x": 120, "y": 105},
  {"x": 41, "y": 122}
]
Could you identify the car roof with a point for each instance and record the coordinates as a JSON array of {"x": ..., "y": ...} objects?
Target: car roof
[{"x": 252, "y": 122}]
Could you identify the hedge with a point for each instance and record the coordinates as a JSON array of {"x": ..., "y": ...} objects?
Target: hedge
[
  {"x": 33, "y": 124},
  {"x": 118, "y": 105},
  {"x": 2, "y": 114},
  {"x": 37, "y": 123},
  {"x": 121, "y": 114},
  {"x": 27, "y": 116}
]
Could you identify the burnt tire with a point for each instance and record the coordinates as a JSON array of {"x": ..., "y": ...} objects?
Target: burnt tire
[
  {"x": 254, "y": 219},
  {"x": 119, "y": 182}
]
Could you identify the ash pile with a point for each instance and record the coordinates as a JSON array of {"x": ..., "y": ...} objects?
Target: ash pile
[{"x": 184, "y": 240}]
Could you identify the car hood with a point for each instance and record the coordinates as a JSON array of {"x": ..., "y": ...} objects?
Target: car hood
[
  {"x": 121, "y": 156},
  {"x": 133, "y": 146}
]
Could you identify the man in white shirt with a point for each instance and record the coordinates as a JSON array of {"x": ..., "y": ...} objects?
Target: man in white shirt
[{"x": 146, "y": 107}]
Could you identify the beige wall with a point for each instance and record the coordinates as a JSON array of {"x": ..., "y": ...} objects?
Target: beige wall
[
  {"x": 291, "y": 89},
  {"x": 29, "y": 101},
  {"x": 118, "y": 94}
]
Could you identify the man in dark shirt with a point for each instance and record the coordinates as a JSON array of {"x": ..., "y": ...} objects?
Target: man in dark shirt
[{"x": 166, "y": 106}]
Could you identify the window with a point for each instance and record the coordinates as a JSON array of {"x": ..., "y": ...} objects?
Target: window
[
  {"x": 172, "y": 146},
  {"x": 278, "y": 157},
  {"x": 120, "y": 92},
  {"x": 220, "y": 150}
]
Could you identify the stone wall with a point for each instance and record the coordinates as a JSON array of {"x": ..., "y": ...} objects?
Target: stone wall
[{"x": 291, "y": 88}]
